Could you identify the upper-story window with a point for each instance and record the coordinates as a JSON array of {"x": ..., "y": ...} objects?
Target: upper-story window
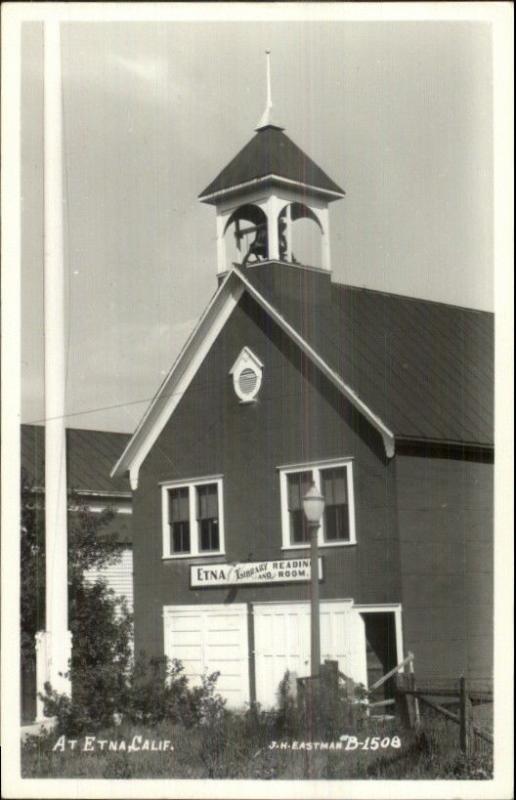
[
  {"x": 335, "y": 481},
  {"x": 193, "y": 518}
]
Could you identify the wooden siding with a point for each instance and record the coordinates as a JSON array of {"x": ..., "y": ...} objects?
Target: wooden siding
[
  {"x": 118, "y": 577},
  {"x": 299, "y": 417},
  {"x": 445, "y": 512}
]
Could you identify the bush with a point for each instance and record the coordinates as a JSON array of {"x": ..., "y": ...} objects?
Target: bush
[
  {"x": 100, "y": 665},
  {"x": 287, "y": 719},
  {"x": 150, "y": 691},
  {"x": 158, "y": 690}
]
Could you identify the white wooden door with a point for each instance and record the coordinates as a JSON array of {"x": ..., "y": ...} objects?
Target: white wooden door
[
  {"x": 282, "y": 642},
  {"x": 208, "y": 639}
]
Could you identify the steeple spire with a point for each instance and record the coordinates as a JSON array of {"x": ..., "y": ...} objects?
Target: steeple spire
[{"x": 267, "y": 119}]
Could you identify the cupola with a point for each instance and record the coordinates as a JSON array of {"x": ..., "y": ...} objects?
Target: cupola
[{"x": 269, "y": 191}]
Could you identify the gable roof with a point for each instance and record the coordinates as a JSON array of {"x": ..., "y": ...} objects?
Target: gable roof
[
  {"x": 193, "y": 353},
  {"x": 90, "y": 456},
  {"x": 270, "y": 153},
  {"x": 426, "y": 368},
  {"x": 415, "y": 369}
]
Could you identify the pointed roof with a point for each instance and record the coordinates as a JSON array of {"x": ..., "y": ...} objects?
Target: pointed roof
[{"x": 271, "y": 155}]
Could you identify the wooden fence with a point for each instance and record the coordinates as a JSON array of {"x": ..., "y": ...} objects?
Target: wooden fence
[
  {"x": 319, "y": 699},
  {"x": 470, "y": 735}
]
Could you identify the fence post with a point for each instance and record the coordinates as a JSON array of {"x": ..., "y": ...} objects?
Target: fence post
[
  {"x": 405, "y": 702},
  {"x": 350, "y": 698},
  {"x": 464, "y": 716},
  {"x": 329, "y": 696},
  {"x": 417, "y": 715}
]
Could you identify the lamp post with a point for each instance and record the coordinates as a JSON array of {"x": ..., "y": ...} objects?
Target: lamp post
[{"x": 313, "y": 506}]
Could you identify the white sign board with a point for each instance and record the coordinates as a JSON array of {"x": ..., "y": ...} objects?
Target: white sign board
[{"x": 286, "y": 570}]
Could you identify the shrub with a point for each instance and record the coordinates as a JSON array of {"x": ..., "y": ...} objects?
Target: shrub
[
  {"x": 100, "y": 664},
  {"x": 213, "y": 719},
  {"x": 148, "y": 692},
  {"x": 158, "y": 690},
  {"x": 100, "y": 623},
  {"x": 287, "y": 719}
]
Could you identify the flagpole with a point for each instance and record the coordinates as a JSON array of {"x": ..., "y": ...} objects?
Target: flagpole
[{"x": 53, "y": 646}]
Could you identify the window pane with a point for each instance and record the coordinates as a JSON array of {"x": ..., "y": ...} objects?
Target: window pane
[
  {"x": 336, "y": 524},
  {"x": 207, "y": 501},
  {"x": 180, "y": 537},
  {"x": 209, "y": 532},
  {"x": 299, "y": 531},
  {"x": 208, "y": 517},
  {"x": 334, "y": 486},
  {"x": 336, "y": 512},
  {"x": 178, "y": 505},
  {"x": 298, "y": 484}
]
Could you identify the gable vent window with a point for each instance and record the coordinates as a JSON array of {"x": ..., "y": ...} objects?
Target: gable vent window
[
  {"x": 247, "y": 374},
  {"x": 247, "y": 381}
]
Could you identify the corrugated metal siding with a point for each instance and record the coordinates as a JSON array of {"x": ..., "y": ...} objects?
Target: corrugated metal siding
[{"x": 118, "y": 577}]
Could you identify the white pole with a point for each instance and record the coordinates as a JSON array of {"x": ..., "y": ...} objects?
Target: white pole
[{"x": 54, "y": 644}]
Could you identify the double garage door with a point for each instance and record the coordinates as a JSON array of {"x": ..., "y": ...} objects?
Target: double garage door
[
  {"x": 216, "y": 638},
  {"x": 211, "y": 639}
]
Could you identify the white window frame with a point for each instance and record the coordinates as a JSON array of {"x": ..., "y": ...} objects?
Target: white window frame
[
  {"x": 191, "y": 485},
  {"x": 247, "y": 360},
  {"x": 316, "y": 468}
]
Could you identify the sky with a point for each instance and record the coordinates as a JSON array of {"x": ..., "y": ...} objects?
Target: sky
[{"x": 398, "y": 113}]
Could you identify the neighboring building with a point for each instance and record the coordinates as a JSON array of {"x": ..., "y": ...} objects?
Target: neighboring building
[
  {"x": 90, "y": 457},
  {"x": 385, "y": 402}
]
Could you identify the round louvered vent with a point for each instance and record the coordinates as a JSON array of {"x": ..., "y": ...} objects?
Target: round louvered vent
[
  {"x": 247, "y": 372},
  {"x": 248, "y": 381}
]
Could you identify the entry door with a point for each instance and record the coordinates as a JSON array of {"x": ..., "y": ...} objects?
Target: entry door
[
  {"x": 208, "y": 639},
  {"x": 282, "y": 642}
]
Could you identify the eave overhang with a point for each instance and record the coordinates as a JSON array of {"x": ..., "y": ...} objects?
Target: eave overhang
[{"x": 214, "y": 198}]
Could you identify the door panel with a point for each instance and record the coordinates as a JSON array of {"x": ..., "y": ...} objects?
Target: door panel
[
  {"x": 209, "y": 639},
  {"x": 282, "y": 642}
]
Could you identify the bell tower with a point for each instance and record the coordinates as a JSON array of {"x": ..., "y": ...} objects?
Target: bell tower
[{"x": 265, "y": 194}]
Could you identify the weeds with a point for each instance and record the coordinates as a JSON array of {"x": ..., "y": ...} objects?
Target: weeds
[{"x": 206, "y": 740}]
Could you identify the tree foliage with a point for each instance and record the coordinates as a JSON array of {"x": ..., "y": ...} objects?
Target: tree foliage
[{"x": 100, "y": 623}]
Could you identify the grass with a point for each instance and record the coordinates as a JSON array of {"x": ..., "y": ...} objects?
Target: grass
[{"x": 241, "y": 749}]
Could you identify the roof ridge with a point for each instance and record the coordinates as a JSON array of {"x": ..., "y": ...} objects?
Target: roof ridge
[{"x": 354, "y": 287}]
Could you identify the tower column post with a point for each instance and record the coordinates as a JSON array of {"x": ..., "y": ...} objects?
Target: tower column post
[
  {"x": 221, "y": 244},
  {"x": 288, "y": 231},
  {"x": 324, "y": 216},
  {"x": 272, "y": 209},
  {"x": 222, "y": 219}
]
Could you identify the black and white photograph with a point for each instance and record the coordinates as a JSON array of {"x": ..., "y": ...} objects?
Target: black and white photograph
[{"x": 257, "y": 486}]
